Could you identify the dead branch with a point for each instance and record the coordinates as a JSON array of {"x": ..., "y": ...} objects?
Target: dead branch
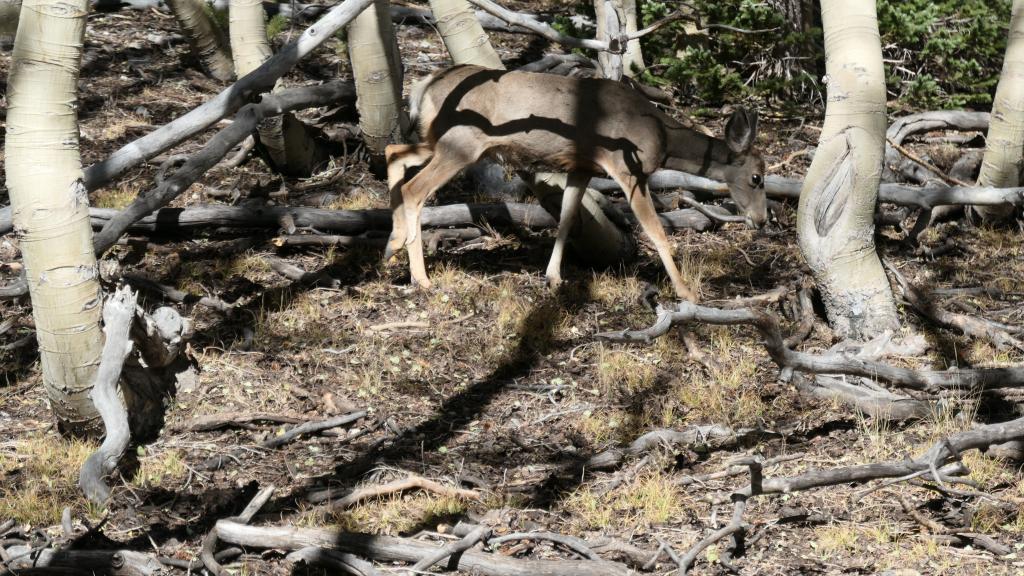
[
  {"x": 210, "y": 422},
  {"x": 936, "y": 459},
  {"x": 206, "y": 554},
  {"x": 714, "y": 436},
  {"x": 577, "y": 545},
  {"x": 736, "y": 470},
  {"x": 340, "y": 562},
  {"x": 293, "y": 433},
  {"x": 118, "y": 313},
  {"x": 392, "y": 549},
  {"x": 453, "y": 550},
  {"x": 769, "y": 297},
  {"x": 530, "y": 23},
  {"x": 246, "y": 121},
  {"x": 935, "y": 194},
  {"x": 806, "y": 319},
  {"x": 296, "y": 274},
  {"x": 975, "y": 327},
  {"x": 260, "y": 80},
  {"x": 411, "y": 482},
  {"x": 933, "y": 168},
  {"x": 860, "y": 393},
  {"x": 956, "y": 536},
  {"x": 175, "y": 295},
  {"x": 832, "y": 363},
  {"x": 734, "y": 528},
  {"x": 196, "y": 565},
  {"x": 905, "y": 126},
  {"x": 58, "y": 561}
]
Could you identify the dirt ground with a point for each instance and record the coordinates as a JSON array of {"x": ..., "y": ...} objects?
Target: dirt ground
[{"x": 490, "y": 381}]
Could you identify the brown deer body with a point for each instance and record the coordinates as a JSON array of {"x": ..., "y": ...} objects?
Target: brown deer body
[{"x": 582, "y": 126}]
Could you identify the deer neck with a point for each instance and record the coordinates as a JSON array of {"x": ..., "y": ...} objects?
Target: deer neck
[{"x": 693, "y": 152}]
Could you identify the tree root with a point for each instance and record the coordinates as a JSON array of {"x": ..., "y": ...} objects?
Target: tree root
[
  {"x": 788, "y": 360},
  {"x": 412, "y": 482}
]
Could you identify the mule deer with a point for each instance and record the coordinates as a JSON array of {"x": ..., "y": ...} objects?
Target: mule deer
[{"x": 582, "y": 126}]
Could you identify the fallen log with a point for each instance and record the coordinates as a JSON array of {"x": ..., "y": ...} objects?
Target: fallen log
[
  {"x": 392, "y": 549},
  {"x": 227, "y": 101},
  {"x": 935, "y": 194},
  {"x": 246, "y": 122}
]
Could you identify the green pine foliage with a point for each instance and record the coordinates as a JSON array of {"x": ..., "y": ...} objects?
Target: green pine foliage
[{"x": 938, "y": 54}]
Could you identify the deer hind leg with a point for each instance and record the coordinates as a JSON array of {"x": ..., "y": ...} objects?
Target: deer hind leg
[
  {"x": 575, "y": 187},
  {"x": 400, "y": 158},
  {"x": 643, "y": 208},
  {"x": 439, "y": 170}
]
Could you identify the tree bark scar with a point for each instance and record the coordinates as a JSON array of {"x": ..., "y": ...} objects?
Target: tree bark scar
[{"x": 834, "y": 191}]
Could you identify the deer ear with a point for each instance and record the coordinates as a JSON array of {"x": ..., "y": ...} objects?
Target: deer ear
[{"x": 741, "y": 130}]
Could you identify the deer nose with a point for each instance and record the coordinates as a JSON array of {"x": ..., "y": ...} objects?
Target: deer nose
[{"x": 757, "y": 222}]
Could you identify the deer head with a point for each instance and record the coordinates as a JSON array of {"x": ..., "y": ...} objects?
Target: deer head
[{"x": 745, "y": 173}]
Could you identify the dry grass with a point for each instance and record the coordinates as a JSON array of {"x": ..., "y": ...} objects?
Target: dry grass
[
  {"x": 649, "y": 500},
  {"x": 40, "y": 478}
]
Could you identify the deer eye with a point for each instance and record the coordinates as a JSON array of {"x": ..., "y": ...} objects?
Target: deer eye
[{"x": 756, "y": 180}]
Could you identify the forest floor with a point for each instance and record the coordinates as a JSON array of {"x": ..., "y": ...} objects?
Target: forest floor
[{"x": 490, "y": 380}]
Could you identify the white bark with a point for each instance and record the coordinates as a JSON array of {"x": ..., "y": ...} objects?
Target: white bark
[
  {"x": 376, "y": 68},
  {"x": 1003, "y": 159},
  {"x": 837, "y": 204},
  {"x": 463, "y": 35},
  {"x": 608, "y": 28},
  {"x": 284, "y": 139},
  {"x": 633, "y": 58},
  {"x": 204, "y": 36},
  {"x": 51, "y": 207}
]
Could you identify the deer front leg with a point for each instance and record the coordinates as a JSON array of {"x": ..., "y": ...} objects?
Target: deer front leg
[
  {"x": 643, "y": 209},
  {"x": 400, "y": 158},
  {"x": 435, "y": 174},
  {"x": 575, "y": 187}
]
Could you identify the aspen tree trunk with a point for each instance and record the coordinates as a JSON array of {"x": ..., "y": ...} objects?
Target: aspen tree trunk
[
  {"x": 837, "y": 204},
  {"x": 9, "y": 10},
  {"x": 1004, "y": 145},
  {"x": 284, "y": 140},
  {"x": 51, "y": 206},
  {"x": 204, "y": 36},
  {"x": 632, "y": 59},
  {"x": 463, "y": 35},
  {"x": 608, "y": 27},
  {"x": 377, "y": 70}
]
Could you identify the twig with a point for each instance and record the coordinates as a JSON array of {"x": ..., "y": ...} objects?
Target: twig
[
  {"x": 577, "y": 545},
  {"x": 722, "y": 218},
  {"x": 206, "y": 554},
  {"x": 938, "y": 172},
  {"x": 408, "y": 483},
  {"x": 209, "y": 422},
  {"x": 175, "y": 295},
  {"x": 530, "y": 23},
  {"x": 734, "y": 528},
  {"x": 291, "y": 434},
  {"x": 453, "y": 550}
]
